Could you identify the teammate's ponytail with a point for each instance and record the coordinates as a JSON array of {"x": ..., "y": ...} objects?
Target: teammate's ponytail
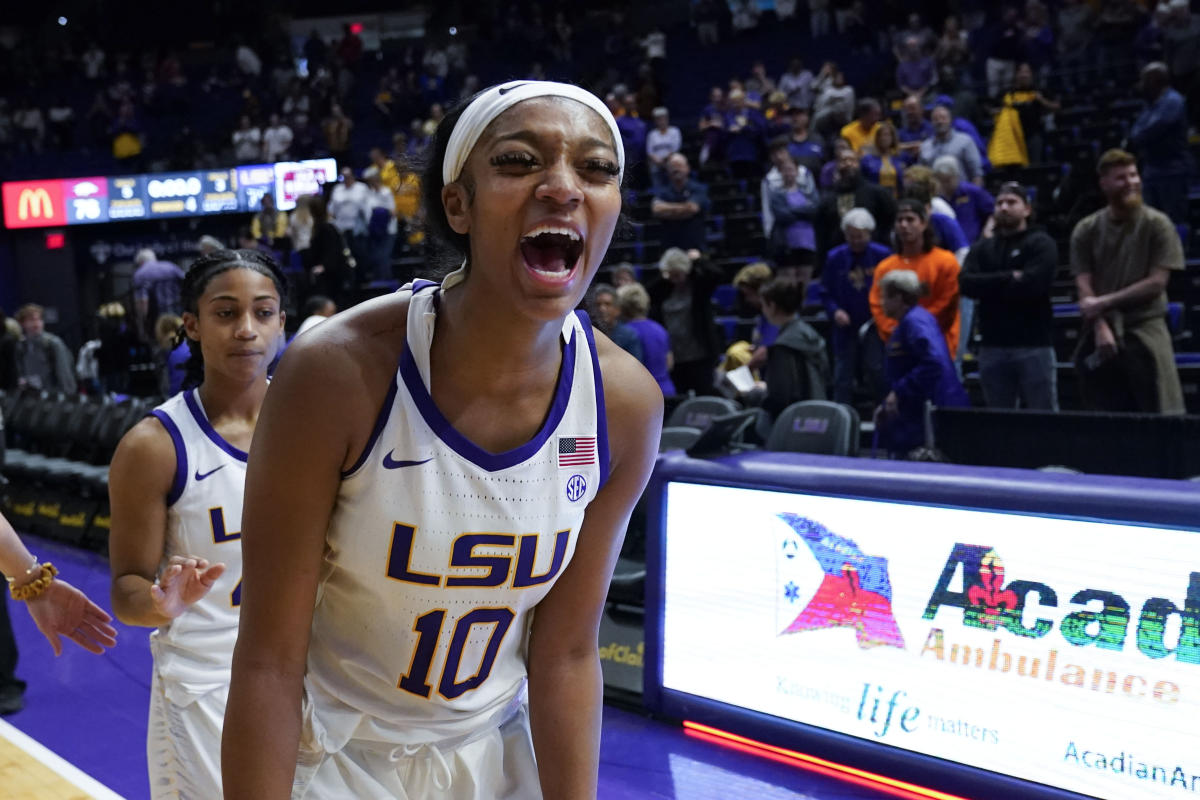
[{"x": 196, "y": 281}]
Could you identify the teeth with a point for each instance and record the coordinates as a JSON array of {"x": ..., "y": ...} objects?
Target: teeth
[{"x": 538, "y": 231}]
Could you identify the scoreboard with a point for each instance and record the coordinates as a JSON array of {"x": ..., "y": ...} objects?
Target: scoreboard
[{"x": 83, "y": 201}]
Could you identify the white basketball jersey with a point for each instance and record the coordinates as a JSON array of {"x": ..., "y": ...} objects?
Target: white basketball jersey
[
  {"x": 438, "y": 551},
  {"x": 193, "y": 654}
]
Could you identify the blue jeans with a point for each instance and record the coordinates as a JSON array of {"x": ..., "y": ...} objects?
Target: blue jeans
[
  {"x": 1009, "y": 374},
  {"x": 966, "y": 319}
]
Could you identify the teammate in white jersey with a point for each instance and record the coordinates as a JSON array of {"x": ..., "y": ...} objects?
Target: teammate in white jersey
[
  {"x": 438, "y": 492},
  {"x": 176, "y": 486}
]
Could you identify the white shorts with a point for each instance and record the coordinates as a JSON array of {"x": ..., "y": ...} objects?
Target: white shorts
[
  {"x": 492, "y": 764},
  {"x": 183, "y": 745}
]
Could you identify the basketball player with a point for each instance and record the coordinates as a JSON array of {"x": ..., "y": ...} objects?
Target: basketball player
[
  {"x": 176, "y": 486},
  {"x": 438, "y": 492}
]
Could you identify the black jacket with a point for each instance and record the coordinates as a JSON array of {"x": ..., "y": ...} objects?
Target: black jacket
[
  {"x": 797, "y": 368},
  {"x": 1012, "y": 312},
  {"x": 704, "y": 279},
  {"x": 867, "y": 195}
]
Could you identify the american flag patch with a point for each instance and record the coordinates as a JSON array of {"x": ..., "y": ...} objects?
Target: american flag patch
[{"x": 576, "y": 451}]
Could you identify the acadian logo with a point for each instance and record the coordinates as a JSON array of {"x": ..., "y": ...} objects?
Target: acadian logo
[
  {"x": 49, "y": 510},
  {"x": 102, "y": 521},
  {"x": 76, "y": 520},
  {"x": 1100, "y": 620},
  {"x": 24, "y": 509}
]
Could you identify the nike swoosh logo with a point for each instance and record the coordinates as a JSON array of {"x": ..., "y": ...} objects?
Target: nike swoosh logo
[
  {"x": 505, "y": 90},
  {"x": 200, "y": 477},
  {"x": 391, "y": 463}
]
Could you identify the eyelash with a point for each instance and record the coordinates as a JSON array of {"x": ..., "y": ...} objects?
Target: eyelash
[{"x": 527, "y": 161}]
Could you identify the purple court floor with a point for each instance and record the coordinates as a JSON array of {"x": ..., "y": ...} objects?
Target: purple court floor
[{"x": 91, "y": 711}]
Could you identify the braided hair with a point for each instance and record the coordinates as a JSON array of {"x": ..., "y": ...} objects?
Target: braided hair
[{"x": 196, "y": 281}]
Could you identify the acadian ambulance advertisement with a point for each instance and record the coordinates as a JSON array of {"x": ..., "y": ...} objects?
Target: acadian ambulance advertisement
[{"x": 1059, "y": 651}]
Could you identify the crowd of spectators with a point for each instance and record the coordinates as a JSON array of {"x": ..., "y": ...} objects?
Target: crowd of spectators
[{"x": 901, "y": 170}]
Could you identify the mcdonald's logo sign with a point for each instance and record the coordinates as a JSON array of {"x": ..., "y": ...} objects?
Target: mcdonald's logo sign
[{"x": 33, "y": 204}]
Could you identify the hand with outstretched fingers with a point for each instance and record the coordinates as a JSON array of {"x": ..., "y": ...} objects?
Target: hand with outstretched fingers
[
  {"x": 64, "y": 611},
  {"x": 185, "y": 580}
]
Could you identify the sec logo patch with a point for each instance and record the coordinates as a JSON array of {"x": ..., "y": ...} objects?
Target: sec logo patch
[{"x": 576, "y": 487}]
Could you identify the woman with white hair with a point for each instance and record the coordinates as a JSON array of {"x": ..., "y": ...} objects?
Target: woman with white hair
[
  {"x": 681, "y": 301},
  {"x": 845, "y": 293},
  {"x": 973, "y": 205},
  {"x": 919, "y": 368},
  {"x": 653, "y": 339}
]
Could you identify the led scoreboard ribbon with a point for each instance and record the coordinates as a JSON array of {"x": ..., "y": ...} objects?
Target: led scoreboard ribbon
[{"x": 83, "y": 201}]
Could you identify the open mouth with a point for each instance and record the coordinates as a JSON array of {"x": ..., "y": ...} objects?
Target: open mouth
[{"x": 552, "y": 250}]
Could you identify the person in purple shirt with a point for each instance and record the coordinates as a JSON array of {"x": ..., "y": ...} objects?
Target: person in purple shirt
[
  {"x": 793, "y": 208},
  {"x": 973, "y": 205},
  {"x": 745, "y": 129},
  {"x": 914, "y": 128},
  {"x": 634, "y": 303},
  {"x": 805, "y": 145},
  {"x": 156, "y": 291},
  {"x": 915, "y": 72},
  {"x": 919, "y": 368},
  {"x": 845, "y": 288}
]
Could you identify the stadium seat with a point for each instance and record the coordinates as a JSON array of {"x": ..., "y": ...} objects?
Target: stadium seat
[
  {"x": 815, "y": 426},
  {"x": 679, "y": 437},
  {"x": 698, "y": 412}
]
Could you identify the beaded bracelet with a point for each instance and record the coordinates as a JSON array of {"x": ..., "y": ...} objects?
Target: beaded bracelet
[{"x": 34, "y": 588}]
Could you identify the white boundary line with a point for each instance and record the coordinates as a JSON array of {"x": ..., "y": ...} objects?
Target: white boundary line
[{"x": 56, "y": 764}]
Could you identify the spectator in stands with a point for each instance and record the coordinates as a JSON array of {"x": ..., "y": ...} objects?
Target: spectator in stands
[
  {"x": 327, "y": 265},
  {"x": 778, "y": 152},
  {"x": 915, "y": 72},
  {"x": 953, "y": 51},
  {"x": 793, "y": 208},
  {"x": 60, "y": 117},
  {"x": 247, "y": 60},
  {"x": 623, "y": 274},
  {"x": 269, "y": 226},
  {"x": 1030, "y": 105},
  {"x": 852, "y": 190},
  {"x": 681, "y": 301},
  {"x": 936, "y": 268},
  {"x": 972, "y": 204},
  {"x": 337, "y": 127},
  {"x": 296, "y": 107},
  {"x": 300, "y": 227},
  {"x": 914, "y": 128},
  {"x": 1011, "y": 275},
  {"x": 350, "y": 211},
  {"x": 405, "y": 185},
  {"x": 797, "y": 367},
  {"x": 919, "y": 369},
  {"x": 706, "y": 16},
  {"x": 171, "y": 354},
  {"x": 126, "y": 133},
  {"x": 883, "y": 162},
  {"x": 915, "y": 28},
  {"x": 1181, "y": 51},
  {"x": 43, "y": 360},
  {"x": 277, "y": 140},
  {"x": 247, "y": 142},
  {"x": 835, "y": 100},
  {"x": 652, "y": 342},
  {"x": 1122, "y": 257},
  {"x": 662, "y": 142},
  {"x": 712, "y": 126},
  {"x": 1076, "y": 23},
  {"x": 845, "y": 292},
  {"x": 382, "y": 226},
  {"x": 749, "y": 282},
  {"x": 797, "y": 84},
  {"x": 606, "y": 317},
  {"x": 156, "y": 287},
  {"x": 946, "y": 141},
  {"x": 745, "y": 135},
  {"x": 1160, "y": 139},
  {"x": 862, "y": 130},
  {"x": 805, "y": 145},
  {"x": 118, "y": 341},
  {"x": 682, "y": 207},
  {"x": 317, "y": 309},
  {"x": 1007, "y": 48}
]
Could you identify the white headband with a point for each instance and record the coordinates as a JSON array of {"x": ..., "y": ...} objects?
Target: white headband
[{"x": 495, "y": 101}]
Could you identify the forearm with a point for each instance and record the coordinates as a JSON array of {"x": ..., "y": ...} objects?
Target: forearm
[
  {"x": 1135, "y": 293},
  {"x": 565, "y": 700},
  {"x": 262, "y": 731},
  {"x": 15, "y": 558},
  {"x": 133, "y": 604}
]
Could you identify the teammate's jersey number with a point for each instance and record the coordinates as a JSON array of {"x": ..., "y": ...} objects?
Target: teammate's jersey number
[{"x": 216, "y": 516}]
